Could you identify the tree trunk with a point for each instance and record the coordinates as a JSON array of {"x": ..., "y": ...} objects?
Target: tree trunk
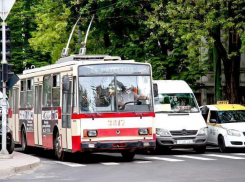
[{"x": 232, "y": 68}]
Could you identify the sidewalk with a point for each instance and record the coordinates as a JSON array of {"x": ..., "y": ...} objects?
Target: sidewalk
[{"x": 20, "y": 162}]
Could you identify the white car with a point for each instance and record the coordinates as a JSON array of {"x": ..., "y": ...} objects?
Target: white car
[{"x": 226, "y": 125}]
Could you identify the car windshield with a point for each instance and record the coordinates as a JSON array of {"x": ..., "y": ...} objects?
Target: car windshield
[
  {"x": 232, "y": 116},
  {"x": 176, "y": 103}
]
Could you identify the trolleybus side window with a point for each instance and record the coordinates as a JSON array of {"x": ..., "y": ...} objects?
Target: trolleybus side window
[
  {"x": 47, "y": 91},
  {"x": 23, "y": 98},
  {"x": 56, "y": 90},
  {"x": 74, "y": 95},
  {"x": 30, "y": 88}
]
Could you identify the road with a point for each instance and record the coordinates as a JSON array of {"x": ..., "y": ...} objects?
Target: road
[{"x": 182, "y": 165}]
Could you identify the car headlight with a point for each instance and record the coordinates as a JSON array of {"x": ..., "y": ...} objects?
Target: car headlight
[
  {"x": 203, "y": 131},
  {"x": 233, "y": 133},
  {"x": 162, "y": 132}
]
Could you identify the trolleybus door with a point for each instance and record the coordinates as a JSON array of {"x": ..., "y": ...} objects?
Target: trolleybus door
[
  {"x": 15, "y": 119},
  {"x": 38, "y": 115},
  {"x": 66, "y": 113}
]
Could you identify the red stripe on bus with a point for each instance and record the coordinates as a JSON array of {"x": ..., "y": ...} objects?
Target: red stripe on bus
[
  {"x": 30, "y": 139},
  {"x": 59, "y": 112},
  {"x": 112, "y": 115},
  {"x": 118, "y": 132},
  {"x": 47, "y": 141},
  {"x": 10, "y": 113},
  {"x": 76, "y": 143}
]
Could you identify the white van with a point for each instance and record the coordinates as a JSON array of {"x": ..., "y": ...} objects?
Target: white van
[{"x": 179, "y": 123}]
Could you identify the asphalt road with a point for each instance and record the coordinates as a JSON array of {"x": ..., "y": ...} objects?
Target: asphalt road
[{"x": 180, "y": 165}]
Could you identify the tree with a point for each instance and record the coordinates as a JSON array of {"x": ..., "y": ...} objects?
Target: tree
[
  {"x": 22, "y": 23},
  {"x": 190, "y": 24}
]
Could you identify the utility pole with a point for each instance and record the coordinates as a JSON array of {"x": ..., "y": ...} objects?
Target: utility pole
[{"x": 5, "y": 7}]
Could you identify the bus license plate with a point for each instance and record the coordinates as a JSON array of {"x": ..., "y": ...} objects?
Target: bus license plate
[{"x": 185, "y": 141}]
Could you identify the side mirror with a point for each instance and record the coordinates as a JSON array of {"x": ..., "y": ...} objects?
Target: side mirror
[
  {"x": 213, "y": 121},
  {"x": 155, "y": 89},
  {"x": 65, "y": 83}
]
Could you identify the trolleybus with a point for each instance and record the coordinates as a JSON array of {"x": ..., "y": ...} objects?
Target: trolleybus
[{"x": 72, "y": 106}]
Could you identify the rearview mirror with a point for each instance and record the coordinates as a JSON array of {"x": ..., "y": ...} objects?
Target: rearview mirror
[
  {"x": 212, "y": 121},
  {"x": 155, "y": 89}
]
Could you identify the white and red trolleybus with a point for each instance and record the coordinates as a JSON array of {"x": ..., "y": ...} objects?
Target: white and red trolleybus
[{"x": 73, "y": 106}]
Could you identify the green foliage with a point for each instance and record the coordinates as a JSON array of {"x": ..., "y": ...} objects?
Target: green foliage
[{"x": 174, "y": 36}]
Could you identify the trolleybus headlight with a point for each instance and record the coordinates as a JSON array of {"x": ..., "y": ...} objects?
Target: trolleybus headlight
[
  {"x": 92, "y": 133},
  {"x": 162, "y": 132},
  {"x": 203, "y": 131},
  {"x": 143, "y": 131},
  {"x": 233, "y": 133}
]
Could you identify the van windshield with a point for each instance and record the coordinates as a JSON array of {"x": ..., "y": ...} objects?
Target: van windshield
[{"x": 176, "y": 103}]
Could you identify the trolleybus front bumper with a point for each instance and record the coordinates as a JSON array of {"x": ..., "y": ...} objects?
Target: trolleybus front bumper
[{"x": 118, "y": 145}]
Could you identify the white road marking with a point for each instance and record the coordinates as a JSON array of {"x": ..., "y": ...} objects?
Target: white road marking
[
  {"x": 70, "y": 164},
  {"x": 239, "y": 154},
  {"x": 142, "y": 162},
  {"x": 164, "y": 159},
  {"x": 223, "y": 156},
  {"x": 110, "y": 163},
  {"x": 194, "y": 157}
]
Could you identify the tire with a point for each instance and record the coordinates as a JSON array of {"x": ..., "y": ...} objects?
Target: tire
[
  {"x": 58, "y": 152},
  {"x": 221, "y": 143},
  {"x": 24, "y": 141},
  {"x": 200, "y": 150},
  {"x": 11, "y": 147},
  {"x": 128, "y": 156}
]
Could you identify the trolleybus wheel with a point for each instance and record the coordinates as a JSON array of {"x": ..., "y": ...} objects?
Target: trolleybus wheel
[
  {"x": 24, "y": 141},
  {"x": 128, "y": 156},
  {"x": 221, "y": 143},
  {"x": 58, "y": 152}
]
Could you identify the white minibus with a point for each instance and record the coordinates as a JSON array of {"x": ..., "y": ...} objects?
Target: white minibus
[{"x": 179, "y": 123}]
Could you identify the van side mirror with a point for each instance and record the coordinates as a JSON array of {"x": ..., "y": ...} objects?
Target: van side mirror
[
  {"x": 213, "y": 121},
  {"x": 65, "y": 83},
  {"x": 155, "y": 89}
]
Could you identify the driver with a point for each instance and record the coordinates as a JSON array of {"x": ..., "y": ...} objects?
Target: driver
[{"x": 128, "y": 96}]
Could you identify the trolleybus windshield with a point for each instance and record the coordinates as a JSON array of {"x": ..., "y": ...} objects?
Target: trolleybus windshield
[{"x": 103, "y": 87}]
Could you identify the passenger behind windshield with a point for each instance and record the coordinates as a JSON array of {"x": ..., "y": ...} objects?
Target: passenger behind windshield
[
  {"x": 183, "y": 103},
  {"x": 232, "y": 116},
  {"x": 127, "y": 96}
]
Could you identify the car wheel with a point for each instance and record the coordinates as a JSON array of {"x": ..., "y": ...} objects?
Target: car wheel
[
  {"x": 221, "y": 143},
  {"x": 24, "y": 141},
  {"x": 200, "y": 150},
  {"x": 58, "y": 152},
  {"x": 128, "y": 156}
]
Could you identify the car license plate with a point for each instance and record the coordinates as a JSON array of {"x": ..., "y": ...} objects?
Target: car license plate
[{"x": 185, "y": 141}]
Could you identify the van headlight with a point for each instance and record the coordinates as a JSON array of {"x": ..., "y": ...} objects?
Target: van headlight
[
  {"x": 203, "y": 131},
  {"x": 162, "y": 132},
  {"x": 232, "y": 132}
]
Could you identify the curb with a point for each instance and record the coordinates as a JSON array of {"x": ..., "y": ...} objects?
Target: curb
[{"x": 4, "y": 173}]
